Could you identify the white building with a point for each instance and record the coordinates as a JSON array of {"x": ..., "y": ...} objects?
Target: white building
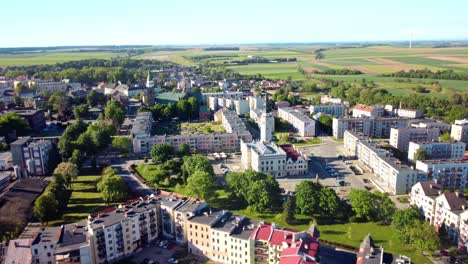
[
  {"x": 431, "y": 123},
  {"x": 305, "y": 125},
  {"x": 401, "y": 137},
  {"x": 336, "y": 110},
  {"x": 32, "y": 155},
  {"x": 452, "y": 174},
  {"x": 238, "y": 104},
  {"x": 423, "y": 195},
  {"x": 326, "y": 99},
  {"x": 448, "y": 207},
  {"x": 460, "y": 130},
  {"x": 279, "y": 161},
  {"x": 394, "y": 176},
  {"x": 267, "y": 128},
  {"x": 49, "y": 86},
  {"x": 6, "y": 161},
  {"x": 360, "y": 110},
  {"x": 410, "y": 113},
  {"x": 438, "y": 150},
  {"x": 371, "y": 127}
]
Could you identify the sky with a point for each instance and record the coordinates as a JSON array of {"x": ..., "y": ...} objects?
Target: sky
[{"x": 31, "y": 23}]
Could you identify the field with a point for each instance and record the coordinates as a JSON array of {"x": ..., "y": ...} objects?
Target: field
[
  {"x": 51, "y": 57},
  {"x": 84, "y": 199},
  {"x": 201, "y": 128}
]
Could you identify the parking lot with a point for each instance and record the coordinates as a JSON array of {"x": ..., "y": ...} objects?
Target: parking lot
[{"x": 156, "y": 254}]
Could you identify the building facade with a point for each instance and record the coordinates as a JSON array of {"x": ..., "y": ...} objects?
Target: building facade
[
  {"x": 32, "y": 156},
  {"x": 401, "y": 137},
  {"x": 460, "y": 130},
  {"x": 423, "y": 195},
  {"x": 438, "y": 150},
  {"x": 304, "y": 125},
  {"x": 452, "y": 174},
  {"x": 336, "y": 110},
  {"x": 361, "y": 110},
  {"x": 371, "y": 127}
]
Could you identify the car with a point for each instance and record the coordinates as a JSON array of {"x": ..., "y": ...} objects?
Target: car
[
  {"x": 172, "y": 261},
  {"x": 342, "y": 183},
  {"x": 365, "y": 180}
]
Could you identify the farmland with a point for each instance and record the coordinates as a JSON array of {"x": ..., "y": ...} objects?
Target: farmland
[{"x": 50, "y": 57}]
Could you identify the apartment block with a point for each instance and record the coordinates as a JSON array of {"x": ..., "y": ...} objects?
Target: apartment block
[
  {"x": 304, "y": 125},
  {"x": 452, "y": 174},
  {"x": 35, "y": 118},
  {"x": 336, "y": 110},
  {"x": 234, "y": 101},
  {"x": 277, "y": 160},
  {"x": 361, "y": 110},
  {"x": 460, "y": 130},
  {"x": 438, "y": 150},
  {"x": 401, "y": 137},
  {"x": 6, "y": 160},
  {"x": 205, "y": 143},
  {"x": 328, "y": 99},
  {"x": 431, "y": 123},
  {"x": 117, "y": 232},
  {"x": 371, "y": 127},
  {"x": 410, "y": 113},
  {"x": 394, "y": 176},
  {"x": 449, "y": 206},
  {"x": 32, "y": 156},
  {"x": 48, "y": 86},
  {"x": 423, "y": 196}
]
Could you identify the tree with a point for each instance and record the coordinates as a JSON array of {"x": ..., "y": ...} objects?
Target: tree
[
  {"x": 183, "y": 109},
  {"x": 95, "y": 98},
  {"x": 71, "y": 133},
  {"x": 421, "y": 154},
  {"x": 161, "y": 153},
  {"x": 80, "y": 111},
  {"x": 385, "y": 207},
  {"x": 60, "y": 102},
  {"x": 325, "y": 123},
  {"x": 403, "y": 221},
  {"x": 307, "y": 197},
  {"x": 194, "y": 107},
  {"x": 46, "y": 207},
  {"x": 362, "y": 204},
  {"x": 329, "y": 202},
  {"x": 424, "y": 237},
  {"x": 115, "y": 112},
  {"x": 76, "y": 158},
  {"x": 445, "y": 137},
  {"x": 201, "y": 184},
  {"x": 68, "y": 170},
  {"x": 112, "y": 187},
  {"x": 12, "y": 122},
  {"x": 183, "y": 150},
  {"x": 194, "y": 163},
  {"x": 123, "y": 144},
  {"x": 289, "y": 208}
]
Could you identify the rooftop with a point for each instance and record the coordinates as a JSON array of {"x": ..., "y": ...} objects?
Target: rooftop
[
  {"x": 208, "y": 218},
  {"x": 365, "y": 108},
  {"x": 291, "y": 152},
  {"x": 431, "y": 188}
]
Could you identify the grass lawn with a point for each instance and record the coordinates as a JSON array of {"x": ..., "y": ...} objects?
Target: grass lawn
[
  {"x": 201, "y": 128},
  {"x": 146, "y": 170},
  {"x": 337, "y": 139},
  {"x": 84, "y": 199},
  {"x": 349, "y": 234}
]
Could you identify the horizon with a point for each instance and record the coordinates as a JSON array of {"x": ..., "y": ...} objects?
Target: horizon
[{"x": 185, "y": 23}]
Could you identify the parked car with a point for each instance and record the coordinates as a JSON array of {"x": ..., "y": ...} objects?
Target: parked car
[
  {"x": 172, "y": 261},
  {"x": 342, "y": 183}
]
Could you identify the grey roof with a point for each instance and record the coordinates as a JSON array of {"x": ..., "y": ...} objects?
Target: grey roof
[
  {"x": 245, "y": 230},
  {"x": 21, "y": 141},
  {"x": 73, "y": 236},
  {"x": 208, "y": 218},
  {"x": 297, "y": 114},
  {"x": 431, "y": 188},
  {"x": 48, "y": 235}
]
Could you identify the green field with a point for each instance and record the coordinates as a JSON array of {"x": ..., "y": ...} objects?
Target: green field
[
  {"x": 84, "y": 199},
  {"x": 51, "y": 57}
]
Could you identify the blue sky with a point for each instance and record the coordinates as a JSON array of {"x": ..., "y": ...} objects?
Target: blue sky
[{"x": 156, "y": 22}]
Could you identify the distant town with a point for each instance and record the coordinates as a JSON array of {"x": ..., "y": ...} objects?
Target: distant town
[{"x": 129, "y": 160}]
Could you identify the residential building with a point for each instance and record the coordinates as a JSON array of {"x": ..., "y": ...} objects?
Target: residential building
[
  {"x": 35, "y": 118},
  {"x": 304, "y": 125},
  {"x": 391, "y": 174},
  {"x": 142, "y": 125},
  {"x": 48, "y": 86},
  {"x": 369, "y": 253},
  {"x": 431, "y": 123},
  {"x": 43, "y": 245},
  {"x": 233, "y": 101},
  {"x": 452, "y": 174},
  {"x": 410, "y": 113},
  {"x": 73, "y": 245},
  {"x": 438, "y": 150},
  {"x": 279, "y": 161},
  {"x": 117, "y": 232},
  {"x": 448, "y": 207},
  {"x": 423, "y": 195},
  {"x": 32, "y": 156},
  {"x": 326, "y": 99},
  {"x": 371, "y": 127},
  {"x": 460, "y": 130},
  {"x": 401, "y": 137},
  {"x": 205, "y": 143},
  {"x": 336, "y": 110},
  {"x": 6, "y": 161},
  {"x": 183, "y": 212},
  {"x": 361, "y": 110}
]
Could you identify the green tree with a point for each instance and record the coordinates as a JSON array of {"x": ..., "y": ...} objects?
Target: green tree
[
  {"x": 123, "y": 144},
  {"x": 201, "y": 184},
  {"x": 445, "y": 137},
  {"x": 112, "y": 187},
  {"x": 194, "y": 163},
  {"x": 96, "y": 99},
  {"x": 183, "y": 109},
  {"x": 60, "y": 102},
  {"x": 362, "y": 204},
  {"x": 421, "y": 154},
  {"x": 12, "y": 122},
  {"x": 329, "y": 202},
  {"x": 71, "y": 133},
  {"x": 424, "y": 237},
  {"x": 325, "y": 123},
  {"x": 307, "y": 197},
  {"x": 194, "y": 107},
  {"x": 115, "y": 112},
  {"x": 68, "y": 170},
  {"x": 161, "y": 153},
  {"x": 289, "y": 208},
  {"x": 76, "y": 158},
  {"x": 46, "y": 207},
  {"x": 403, "y": 221},
  {"x": 183, "y": 150},
  {"x": 80, "y": 111}
]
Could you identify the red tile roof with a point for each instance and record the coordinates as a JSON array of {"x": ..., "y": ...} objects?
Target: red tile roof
[
  {"x": 365, "y": 108},
  {"x": 290, "y": 152}
]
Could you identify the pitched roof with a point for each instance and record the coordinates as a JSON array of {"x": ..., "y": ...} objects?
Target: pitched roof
[
  {"x": 456, "y": 200},
  {"x": 431, "y": 188},
  {"x": 365, "y": 108}
]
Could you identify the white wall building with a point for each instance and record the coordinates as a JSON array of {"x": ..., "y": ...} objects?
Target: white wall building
[
  {"x": 460, "y": 130},
  {"x": 423, "y": 195},
  {"x": 360, "y": 110},
  {"x": 6, "y": 161},
  {"x": 452, "y": 174},
  {"x": 411, "y": 113},
  {"x": 371, "y": 127},
  {"x": 325, "y": 99},
  {"x": 336, "y": 110},
  {"x": 50, "y": 86},
  {"x": 394, "y": 176},
  {"x": 438, "y": 150},
  {"x": 401, "y": 137},
  {"x": 305, "y": 125}
]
